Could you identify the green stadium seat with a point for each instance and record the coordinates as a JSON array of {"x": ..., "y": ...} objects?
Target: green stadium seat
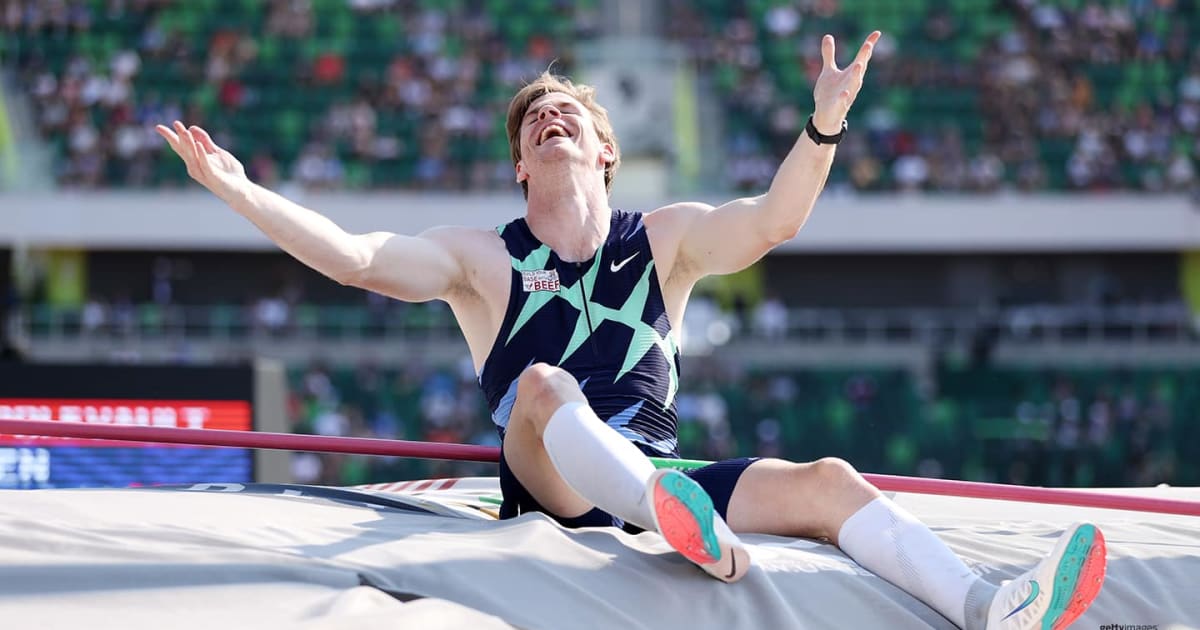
[{"x": 285, "y": 108}]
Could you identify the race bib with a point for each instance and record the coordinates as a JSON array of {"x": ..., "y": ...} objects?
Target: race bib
[{"x": 540, "y": 280}]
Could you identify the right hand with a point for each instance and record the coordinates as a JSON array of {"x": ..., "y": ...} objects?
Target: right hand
[
  {"x": 835, "y": 90},
  {"x": 215, "y": 168}
]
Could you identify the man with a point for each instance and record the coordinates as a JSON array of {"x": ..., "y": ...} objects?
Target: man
[{"x": 571, "y": 313}]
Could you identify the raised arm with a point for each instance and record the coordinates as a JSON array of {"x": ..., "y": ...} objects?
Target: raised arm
[
  {"x": 730, "y": 237},
  {"x": 410, "y": 268}
]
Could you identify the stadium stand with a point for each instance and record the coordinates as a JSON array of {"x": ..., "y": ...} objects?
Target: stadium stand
[
  {"x": 1083, "y": 427},
  {"x": 972, "y": 95},
  {"x": 1028, "y": 426},
  {"x": 328, "y": 93}
]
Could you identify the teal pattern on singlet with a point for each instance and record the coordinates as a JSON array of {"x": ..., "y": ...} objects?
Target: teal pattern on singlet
[{"x": 605, "y": 324}]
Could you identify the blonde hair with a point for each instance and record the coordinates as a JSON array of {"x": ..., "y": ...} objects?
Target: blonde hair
[{"x": 549, "y": 83}]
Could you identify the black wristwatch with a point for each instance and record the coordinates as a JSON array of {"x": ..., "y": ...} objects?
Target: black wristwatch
[{"x": 820, "y": 138}]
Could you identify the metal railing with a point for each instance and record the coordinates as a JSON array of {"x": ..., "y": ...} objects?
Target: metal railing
[
  {"x": 1053, "y": 324},
  {"x": 1163, "y": 323}
]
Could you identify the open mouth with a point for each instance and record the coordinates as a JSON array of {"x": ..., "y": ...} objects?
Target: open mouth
[{"x": 553, "y": 130}]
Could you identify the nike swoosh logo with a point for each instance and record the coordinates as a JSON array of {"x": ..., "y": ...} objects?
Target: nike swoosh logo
[
  {"x": 1028, "y": 600},
  {"x": 615, "y": 266},
  {"x": 733, "y": 564}
]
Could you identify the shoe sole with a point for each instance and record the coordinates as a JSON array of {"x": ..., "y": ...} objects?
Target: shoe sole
[
  {"x": 684, "y": 513},
  {"x": 1078, "y": 577}
]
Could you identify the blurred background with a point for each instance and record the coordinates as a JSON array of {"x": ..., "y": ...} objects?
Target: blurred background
[{"x": 1001, "y": 281}]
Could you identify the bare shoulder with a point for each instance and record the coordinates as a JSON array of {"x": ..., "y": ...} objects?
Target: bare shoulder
[
  {"x": 667, "y": 224},
  {"x": 481, "y": 256},
  {"x": 465, "y": 242},
  {"x": 665, "y": 227},
  {"x": 676, "y": 215},
  {"x": 450, "y": 234}
]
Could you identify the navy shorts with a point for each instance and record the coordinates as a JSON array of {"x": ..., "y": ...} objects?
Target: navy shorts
[{"x": 717, "y": 479}]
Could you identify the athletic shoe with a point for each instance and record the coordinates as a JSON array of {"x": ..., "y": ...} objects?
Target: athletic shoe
[
  {"x": 684, "y": 515},
  {"x": 1056, "y": 592}
]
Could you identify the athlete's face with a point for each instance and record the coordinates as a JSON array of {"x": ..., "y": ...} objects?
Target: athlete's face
[{"x": 556, "y": 127}]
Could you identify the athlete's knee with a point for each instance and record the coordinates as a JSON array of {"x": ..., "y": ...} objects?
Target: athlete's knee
[
  {"x": 542, "y": 389},
  {"x": 544, "y": 381},
  {"x": 835, "y": 471}
]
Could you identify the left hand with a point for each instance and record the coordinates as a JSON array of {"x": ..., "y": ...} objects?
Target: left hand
[{"x": 836, "y": 89}]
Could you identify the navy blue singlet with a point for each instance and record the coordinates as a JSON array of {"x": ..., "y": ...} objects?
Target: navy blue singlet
[{"x": 603, "y": 321}]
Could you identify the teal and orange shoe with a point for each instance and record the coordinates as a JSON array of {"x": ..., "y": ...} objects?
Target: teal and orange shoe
[
  {"x": 684, "y": 515},
  {"x": 1055, "y": 593}
]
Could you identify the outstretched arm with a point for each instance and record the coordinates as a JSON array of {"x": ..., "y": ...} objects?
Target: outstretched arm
[
  {"x": 733, "y": 236},
  {"x": 410, "y": 268}
]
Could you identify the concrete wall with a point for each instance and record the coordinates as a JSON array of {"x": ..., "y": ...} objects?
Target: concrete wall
[{"x": 192, "y": 219}]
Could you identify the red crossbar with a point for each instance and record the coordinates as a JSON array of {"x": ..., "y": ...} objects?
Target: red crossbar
[
  {"x": 1028, "y": 494},
  {"x": 466, "y": 452},
  {"x": 253, "y": 439}
]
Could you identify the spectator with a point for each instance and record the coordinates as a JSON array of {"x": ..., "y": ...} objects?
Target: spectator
[
  {"x": 1061, "y": 50},
  {"x": 771, "y": 318},
  {"x": 442, "y": 92},
  {"x": 94, "y": 316},
  {"x": 271, "y": 314}
]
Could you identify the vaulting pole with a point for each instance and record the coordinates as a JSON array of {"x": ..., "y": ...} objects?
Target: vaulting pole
[{"x": 467, "y": 452}]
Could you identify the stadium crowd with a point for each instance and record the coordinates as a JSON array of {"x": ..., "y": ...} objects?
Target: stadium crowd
[
  {"x": 1065, "y": 428},
  {"x": 967, "y": 96},
  {"x": 321, "y": 94}
]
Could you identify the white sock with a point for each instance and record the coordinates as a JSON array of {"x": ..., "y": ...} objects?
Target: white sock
[
  {"x": 893, "y": 544},
  {"x": 599, "y": 464}
]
